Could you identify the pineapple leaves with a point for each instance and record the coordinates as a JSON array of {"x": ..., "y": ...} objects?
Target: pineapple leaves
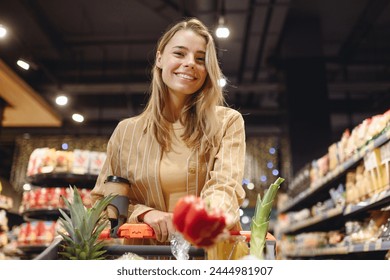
[{"x": 83, "y": 227}]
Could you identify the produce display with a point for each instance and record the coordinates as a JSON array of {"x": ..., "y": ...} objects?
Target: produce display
[
  {"x": 37, "y": 233},
  {"x": 50, "y": 198}
]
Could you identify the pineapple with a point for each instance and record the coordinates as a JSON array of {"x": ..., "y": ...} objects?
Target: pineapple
[{"x": 83, "y": 228}]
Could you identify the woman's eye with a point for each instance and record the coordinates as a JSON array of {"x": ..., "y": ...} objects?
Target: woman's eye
[
  {"x": 178, "y": 53},
  {"x": 201, "y": 59}
]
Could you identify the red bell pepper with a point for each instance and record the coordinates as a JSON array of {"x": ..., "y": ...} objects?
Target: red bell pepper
[
  {"x": 199, "y": 224},
  {"x": 181, "y": 209}
]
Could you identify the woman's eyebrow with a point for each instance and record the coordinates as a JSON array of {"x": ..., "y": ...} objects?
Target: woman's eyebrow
[{"x": 185, "y": 48}]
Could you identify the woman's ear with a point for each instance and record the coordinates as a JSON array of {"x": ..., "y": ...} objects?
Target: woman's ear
[{"x": 158, "y": 60}]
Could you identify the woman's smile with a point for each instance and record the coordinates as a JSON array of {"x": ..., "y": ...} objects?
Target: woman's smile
[{"x": 185, "y": 76}]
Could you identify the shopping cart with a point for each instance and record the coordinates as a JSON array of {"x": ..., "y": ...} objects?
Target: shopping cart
[
  {"x": 130, "y": 231},
  {"x": 117, "y": 213}
]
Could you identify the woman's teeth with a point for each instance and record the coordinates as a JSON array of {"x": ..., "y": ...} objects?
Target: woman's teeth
[{"x": 184, "y": 76}]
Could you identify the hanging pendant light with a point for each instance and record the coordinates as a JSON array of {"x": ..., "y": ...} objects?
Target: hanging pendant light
[{"x": 222, "y": 30}]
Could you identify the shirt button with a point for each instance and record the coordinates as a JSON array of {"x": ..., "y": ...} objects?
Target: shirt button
[{"x": 192, "y": 170}]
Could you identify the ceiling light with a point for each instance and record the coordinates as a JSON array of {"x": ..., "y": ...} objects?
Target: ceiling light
[
  {"x": 23, "y": 64},
  {"x": 78, "y": 118},
  {"x": 3, "y": 31},
  {"x": 62, "y": 100},
  {"x": 222, "y": 31}
]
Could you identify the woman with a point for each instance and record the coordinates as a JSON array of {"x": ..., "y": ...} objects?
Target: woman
[{"x": 184, "y": 142}]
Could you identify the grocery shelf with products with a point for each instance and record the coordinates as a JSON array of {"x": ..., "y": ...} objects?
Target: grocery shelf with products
[
  {"x": 339, "y": 205},
  {"x": 7, "y": 219},
  {"x": 49, "y": 175}
]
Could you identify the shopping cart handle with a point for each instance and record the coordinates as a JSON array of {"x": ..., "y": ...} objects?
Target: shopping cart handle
[
  {"x": 131, "y": 231},
  {"x": 135, "y": 231},
  {"x": 128, "y": 231},
  {"x": 246, "y": 234}
]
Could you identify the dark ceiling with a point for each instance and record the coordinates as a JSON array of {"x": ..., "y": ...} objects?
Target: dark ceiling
[{"x": 99, "y": 52}]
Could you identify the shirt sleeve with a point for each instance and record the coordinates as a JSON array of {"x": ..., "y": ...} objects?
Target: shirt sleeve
[
  {"x": 110, "y": 167},
  {"x": 224, "y": 188}
]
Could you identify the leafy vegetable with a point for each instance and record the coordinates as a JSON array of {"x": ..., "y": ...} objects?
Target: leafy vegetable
[{"x": 260, "y": 220}]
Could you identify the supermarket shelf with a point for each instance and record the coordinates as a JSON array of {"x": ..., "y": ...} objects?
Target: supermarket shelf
[
  {"x": 366, "y": 247},
  {"x": 370, "y": 246},
  {"x": 296, "y": 200},
  {"x": 32, "y": 249},
  {"x": 43, "y": 214},
  {"x": 338, "y": 171},
  {"x": 382, "y": 198},
  {"x": 313, "y": 252},
  {"x": 332, "y": 213},
  {"x": 64, "y": 179},
  {"x": 14, "y": 219},
  {"x": 376, "y": 200}
]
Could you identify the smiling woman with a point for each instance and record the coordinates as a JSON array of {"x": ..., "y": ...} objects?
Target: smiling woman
[
  {"x": 182, "y": 64},
  {"x": 185, "y": 142}
]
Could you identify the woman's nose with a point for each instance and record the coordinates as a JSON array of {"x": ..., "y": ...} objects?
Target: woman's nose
[{"x": 190, "y": 61}]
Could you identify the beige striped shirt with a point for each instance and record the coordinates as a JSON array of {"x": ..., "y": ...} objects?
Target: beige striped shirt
[{"x": 133, "y": 153}]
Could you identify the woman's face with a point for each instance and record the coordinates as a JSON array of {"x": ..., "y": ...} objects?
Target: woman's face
[{"x": 183, "y": 63}]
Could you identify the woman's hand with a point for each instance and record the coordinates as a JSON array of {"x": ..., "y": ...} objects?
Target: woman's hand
[{"x": 161, "y": 222}]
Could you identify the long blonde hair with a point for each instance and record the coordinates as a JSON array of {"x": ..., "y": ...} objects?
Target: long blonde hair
[{"x": 199, "y": 113}]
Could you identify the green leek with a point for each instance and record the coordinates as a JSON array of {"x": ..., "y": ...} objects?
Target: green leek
[{"x": 260, "y": 220}]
